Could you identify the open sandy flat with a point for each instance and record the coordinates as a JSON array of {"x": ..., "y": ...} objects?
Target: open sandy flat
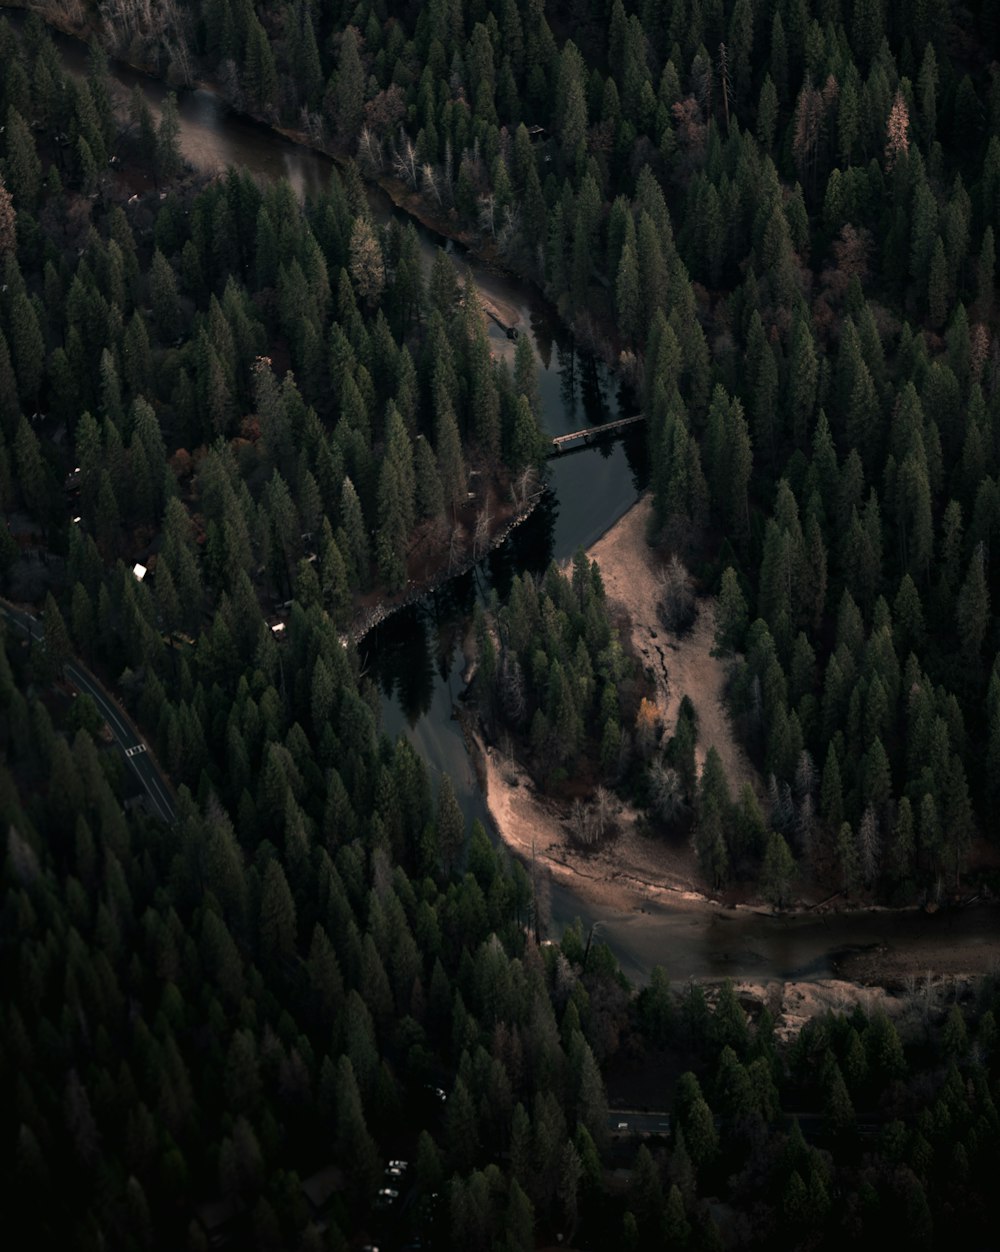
[
  {"x": 631, "y": 867},
  {"x": 647, "y": 892},
  {"x": 630, "y": 569}
]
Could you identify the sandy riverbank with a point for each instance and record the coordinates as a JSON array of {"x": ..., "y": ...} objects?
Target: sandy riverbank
[
  {"x": 630, "y": 569},
  {"x": 647, "y": 893},
  {"x": 632, "y": 868}
]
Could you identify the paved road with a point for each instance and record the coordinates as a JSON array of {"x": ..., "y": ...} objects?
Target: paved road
[
  {"x": 634, "y": 1122},
  {"x": 813, "y": 1125},
  {"x": 136, "y": 753}
]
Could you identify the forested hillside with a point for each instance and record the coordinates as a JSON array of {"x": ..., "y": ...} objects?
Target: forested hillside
[{"x": 781, "y": 218}]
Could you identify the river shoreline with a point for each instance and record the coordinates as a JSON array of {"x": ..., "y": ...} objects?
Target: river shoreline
[
  {"x": 507, "y": 316},
  {"x": 645, "y": 893},
  {"x": 409, "y": 202},
  {"x": 631, "y": 862},
  {"x": 648, "y": 893},
  {"x": 596, "y": 338},
  {"x": 384, "y": 608}
]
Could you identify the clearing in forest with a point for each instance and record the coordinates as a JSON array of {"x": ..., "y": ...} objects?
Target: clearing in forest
[{"x": 680, "y": 666}]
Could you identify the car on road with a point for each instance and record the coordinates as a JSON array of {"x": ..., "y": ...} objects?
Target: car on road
[
  {"x": 386, "y": 1198},
  {"x": 623, "y": 1125}
]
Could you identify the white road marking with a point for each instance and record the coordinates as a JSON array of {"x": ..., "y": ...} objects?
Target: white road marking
[{"x": 155, "y": 788}]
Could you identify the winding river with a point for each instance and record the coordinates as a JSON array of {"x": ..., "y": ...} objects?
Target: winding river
[{"x": 416, "y": 656}]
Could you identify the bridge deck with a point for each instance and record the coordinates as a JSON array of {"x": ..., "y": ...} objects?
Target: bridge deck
[{"x": 560, "y": 441}]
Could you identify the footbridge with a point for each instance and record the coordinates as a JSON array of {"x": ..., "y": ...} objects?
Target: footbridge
[{"x": 580, "y": 438}]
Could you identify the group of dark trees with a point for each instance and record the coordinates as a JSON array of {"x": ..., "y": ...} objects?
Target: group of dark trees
[
  {"x": 271, "y": 400},
  {"x": 144, "y": 336},
  {"x": 813, "y": 318},
  {"x": 198, "y": 1019},
  {"x": 552, "y": 668}
]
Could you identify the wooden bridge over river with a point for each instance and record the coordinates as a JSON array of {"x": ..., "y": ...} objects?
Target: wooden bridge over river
[{"x": 580, "y": 438}]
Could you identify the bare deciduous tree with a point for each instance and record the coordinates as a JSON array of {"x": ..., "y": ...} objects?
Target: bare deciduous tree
[
  {"x": 510, "y": 227},
  {"x": 676, "y": 599},
  {"x": 979, "y": 349},
  {"x": 590, "y": 823},
  {"x": 897, "y": 131},
  {"x": 386, "y": 110},
  {"x": 666, "y": 791},
  {"x": 429, "y": 182},
  {"x": 868, "y": 845},
  {"x": 311, "y": 122},
  {"x": 691, "y": 129},
  {"x": 487, "y": 213},
  {"x": 404, "y": 162},
  {"x": 512, "y": 689},
  {"x": 805, "y": 774},
  {"x": 578, "y": 825},
  {"x": 523, "y": 487},
  {"x": 481, "y": 538},
  {"x": 140, "y": 26},
  {"x": 605, "y": 812},
  {"x": 70, "y": 11},
  {"x": 369, "y": 151},
  {"x": 367, "y": 263}
]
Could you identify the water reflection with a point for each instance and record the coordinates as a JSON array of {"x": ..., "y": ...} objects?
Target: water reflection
[
  {"x": 637, "y": 454},
  {"x": 446, "y": 614},
  {"x": 594, "y": 387},
  {"x": 528, "y": 548},
  {"x": 566, "y": 366},
  {"x": 541, "y": 331},
  {"x": 715, "y": 944},
  {"x": 405, "y": 669}
]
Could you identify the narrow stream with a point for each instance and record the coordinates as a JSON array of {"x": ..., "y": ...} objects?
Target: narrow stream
[{"x": 416, "y": 656}]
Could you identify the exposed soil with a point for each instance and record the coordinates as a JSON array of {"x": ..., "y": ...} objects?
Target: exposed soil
[
  {"x": 942, "y": 953},
  {"x": 679, "y": 666},
  {"x": 649, "y": 889},
  {"x": 625, "y": 870},
  {"x": 632, "y": 866}
]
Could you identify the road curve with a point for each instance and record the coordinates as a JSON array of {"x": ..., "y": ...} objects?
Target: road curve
[{"x": 132, "y": 745}]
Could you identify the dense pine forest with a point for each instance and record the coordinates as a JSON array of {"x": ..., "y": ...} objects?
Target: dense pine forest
[
  {"x": 779, "y": 219},
  {"x": 782, "y": 223}
]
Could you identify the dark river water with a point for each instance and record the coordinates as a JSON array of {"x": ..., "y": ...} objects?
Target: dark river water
[{"x": 416, "y": 655}]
